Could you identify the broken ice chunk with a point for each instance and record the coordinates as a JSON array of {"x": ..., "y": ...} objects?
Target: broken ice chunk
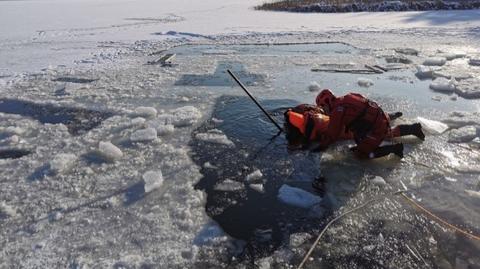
[
  {"x": 298, "y": 239},
  {"x": 257, "y": 187},
  {"x": 185, "y": 116},
  {"x": 297, "y": 197},
  {"x": 152, "y": 180},
  {"x": 109, "y": 151},
  {"x": 469, "y": 88},
  {"x": 254, "y": 176},
  {"x": 144, "y": 135},
  {"x": 229, "y": 185},
  {"x": 138, "y": 121},
  {"x": 443, "y": 85},
  {"x": 462, "y": 135},
  {"x": 424, "y": 72},
  {"x": 364, "y": 82},
  {"x": 431, "y": 126},
  {"x": 438, "y": 61},
  {"x": 379, "y": 181},
  {"x": 215, "y": 136},
  {"x": 147, "y": 112},
  {"x": 62, "y": 162}
]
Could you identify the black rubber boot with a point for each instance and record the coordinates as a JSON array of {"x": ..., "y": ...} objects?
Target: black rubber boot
[
  {"x": 395, "y": 115},
  {"x": 319, "y": 185},
  {"x": 412, "y": 129},
  {"x": 396, "y": 149}
]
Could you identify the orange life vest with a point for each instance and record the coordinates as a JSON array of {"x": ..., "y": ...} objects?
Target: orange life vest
[{"x": 310, "y": 124}]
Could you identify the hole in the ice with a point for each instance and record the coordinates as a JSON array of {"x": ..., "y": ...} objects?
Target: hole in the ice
[
  {"x": 13, "y": 153},
  {"x": 220, "y": 76},
  {"x": 77, "y": 120},
  {"x": 74, "y": 80},
  {"x": 259, "y": 218}
]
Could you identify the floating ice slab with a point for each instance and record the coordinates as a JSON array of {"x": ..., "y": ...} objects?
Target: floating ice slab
[
  {"x": 229, "y": 185},
  {"x": 297, "y": 197},
  {"x": 364, "y": 82},
  {"x": 443, "y": 85},
  {"x": 152, "y": 180},
  {"x": 144, "y": 135},
  {"x": 432, "y": 126},
  {"x": 147, "y": 112},
  {"x": 438, "y": 61},
  {"x": 462, "y": 135},
  {"x": 62, "y": 162},
  {"x": 257, "y": 187},
  {"x": 109, "y": 151},
  {"x": 254, "y": 176},
  {"x": 215, "y": 136}
]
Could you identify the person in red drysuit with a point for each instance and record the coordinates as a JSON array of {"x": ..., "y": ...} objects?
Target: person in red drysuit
[{"x": 366, "y": 121}]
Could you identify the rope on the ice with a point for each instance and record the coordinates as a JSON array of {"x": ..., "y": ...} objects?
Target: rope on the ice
[
  {"x": 412, "y": 202},
  {"x": 334, "y": 220}
]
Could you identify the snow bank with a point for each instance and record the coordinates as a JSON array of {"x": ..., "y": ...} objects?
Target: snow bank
[
  {"x": 436, "y": 61},
  {"x": 62, "y": 162},
  {"x": 215, "y": 136},
  {"x": 229, "y": 185},
  {"x": 109, "y": 151},
  {"x": 152, "y": 180},
  {"x": 431, "y": 126},
  {"x": 462, "y": 135},
  {"x": 297, "y": 197},
  {"x": 364, "y": 82},
  {"x": 147, "y": 112},
  {"x": 144, "y": 135},
  {"x": 443, "y": 85}
]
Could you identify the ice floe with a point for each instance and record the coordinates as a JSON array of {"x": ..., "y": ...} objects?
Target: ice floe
[
  {"x": 436, "y": 61},
  {"x": 364, "y": 82},
  {"x": 144, "y": 135},
  {"x": 147, "y": 112},
  {"x": 443, "y": 85},
  {"x": 257, "y": 187},
  {"x": 254, "y": 176},
  {"x": 152, "y": 180},
  {"x": 425, "y": 72},
  {"x": 297, "y": 197},
  {"x": 109, "y": 151},
  {"x": 215, "y": 136},
  {"x": 229, "y": 185},
  {"x": 463, "y": 134}
]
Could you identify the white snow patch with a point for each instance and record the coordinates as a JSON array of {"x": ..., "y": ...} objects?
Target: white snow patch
[
  {"x": 147, "y": 112},
  {"x": 229, "y": 185},
  {"x": 144, "y": 135},
  {"x": 297, "y": 197},
  {"x": 257, "y": 187},
  {"x": 432, "y": 126},
  {"x": 314, "y": 87},
  {"x": 437, "y": 61},
  {"x": 254, "y": 176},
  {"x": 152, "y": 180},
  {"x": 62, "y": 162},
  {"x": 443, "y": 85},
  {"x": 364, "y": 82},
  {"x": 109, "y": 151},
  {"x": 215, "y": 136}
]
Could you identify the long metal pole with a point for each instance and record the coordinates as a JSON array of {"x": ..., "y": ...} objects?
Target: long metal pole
[{"x": 255, "y": 100}]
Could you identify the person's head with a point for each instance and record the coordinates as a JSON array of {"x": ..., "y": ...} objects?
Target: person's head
[
  {"x": 325, "y": 100},
  {"x": 293, "y": 132}
]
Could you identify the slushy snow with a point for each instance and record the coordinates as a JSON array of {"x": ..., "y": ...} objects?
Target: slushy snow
[
  {"x": 152, "y": 180},
  {"x": 297, "y": 197}
]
